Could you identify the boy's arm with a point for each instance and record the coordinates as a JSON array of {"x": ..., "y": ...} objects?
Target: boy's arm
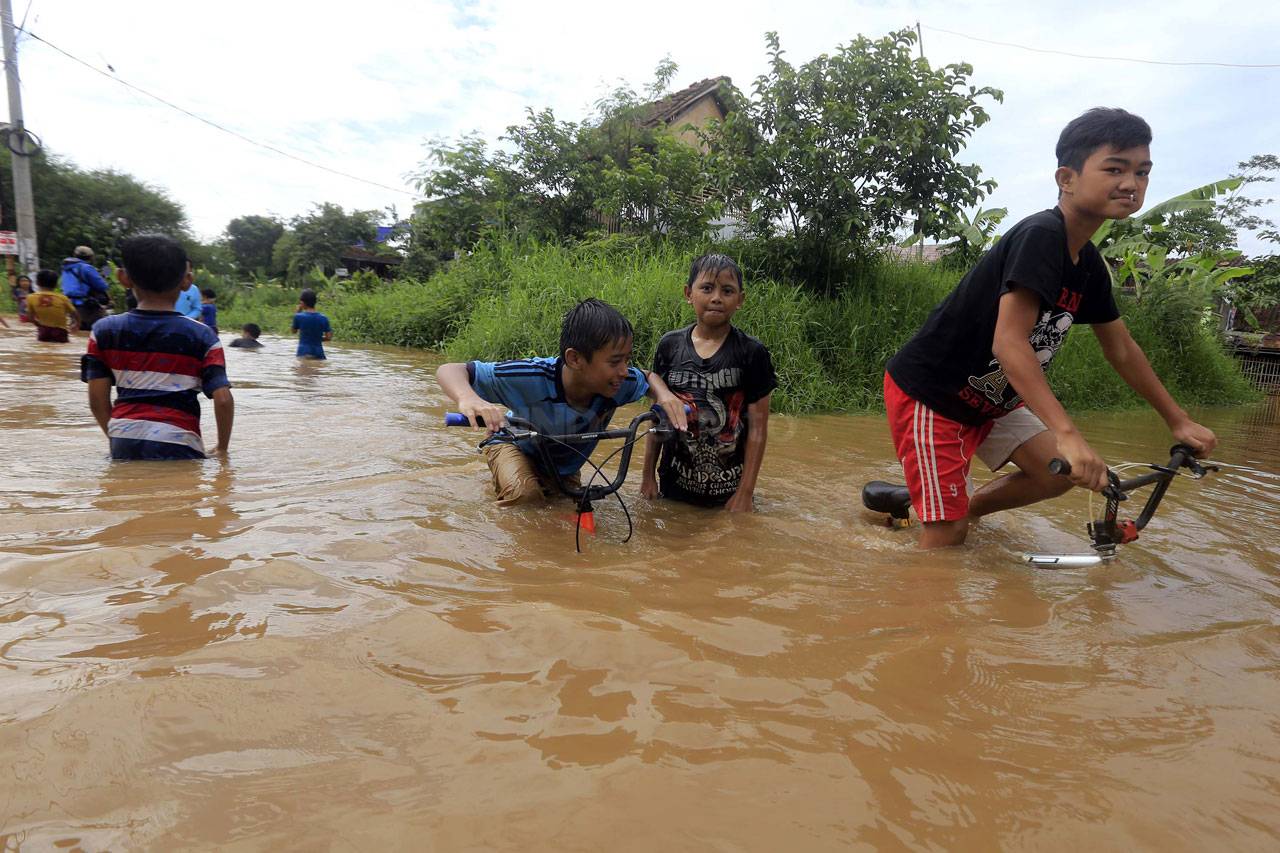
[
  {"x": 649, "y": 478},
  {"x": 672, "y": 405},
  {"x": 100, "y": 401},
  {"x": 224, "y": 412},
  {"x": 1128, "y": 359},
  {"x": 1019, "y": 310},
  {"x": 454, "y": 381},
  {"x": 328, "y": 336},
  {"x": 757, "y": 435}
]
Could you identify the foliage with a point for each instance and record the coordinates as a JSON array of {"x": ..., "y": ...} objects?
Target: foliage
[
  {"x": 316, "y": 240},
  {"x": 970, "y": 236},
  {"x": 215, "y": 258},
  {"x": 838, "y": 152},
  {"x": 251, "y": 239},
  {"x": 562, "y": 180},
  {"x": 97, "y": 208}
]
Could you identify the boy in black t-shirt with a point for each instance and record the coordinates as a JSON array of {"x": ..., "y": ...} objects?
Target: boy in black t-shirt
[
  {"x": 958, "y": 387},
  {"x": 726, "y": 377}
]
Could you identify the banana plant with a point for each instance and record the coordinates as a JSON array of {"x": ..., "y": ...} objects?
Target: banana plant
[{"x": 1116, "y": 231}]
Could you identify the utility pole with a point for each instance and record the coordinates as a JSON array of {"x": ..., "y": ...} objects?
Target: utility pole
[
  {"x": 920, "y": 212},
  {"x": 24, "y": 202}
]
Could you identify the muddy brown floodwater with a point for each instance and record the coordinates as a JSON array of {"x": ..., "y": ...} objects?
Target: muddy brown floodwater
[{"x": 335, "y": 641}]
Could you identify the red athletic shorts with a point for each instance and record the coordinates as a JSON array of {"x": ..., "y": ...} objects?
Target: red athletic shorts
[{"x": 935, "y": 453}]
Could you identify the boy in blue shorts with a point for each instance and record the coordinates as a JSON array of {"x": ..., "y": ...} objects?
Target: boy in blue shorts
[
  {"x": 576, "y": 392},
  {"x": 158, "y": 360},
  {"x": 312, "y": 327},
  {"x": 726, "y": 377},
  {"x": 958, "y": 388}
]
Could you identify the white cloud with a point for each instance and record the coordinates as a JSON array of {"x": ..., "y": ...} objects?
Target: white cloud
[{"x": 359, "y": 87}]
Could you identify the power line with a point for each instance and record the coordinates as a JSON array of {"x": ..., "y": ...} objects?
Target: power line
[
  {"x": 215, "y": 125},
  {"x": 1091, "y": 56}
]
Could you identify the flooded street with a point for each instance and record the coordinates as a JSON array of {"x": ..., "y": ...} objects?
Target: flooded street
[{"x": 334, "y": 640}]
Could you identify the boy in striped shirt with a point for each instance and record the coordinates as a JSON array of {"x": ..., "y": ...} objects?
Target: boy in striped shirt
[{"x": 158, "y": 360}]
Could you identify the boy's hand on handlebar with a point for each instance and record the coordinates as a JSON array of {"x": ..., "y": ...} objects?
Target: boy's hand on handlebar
[
  {"x": 1088, "y": 469},
  {"x": 1199, "y": 438},
  {"x": 493, "y": 415},
  {"x": 673, "y": 408}
]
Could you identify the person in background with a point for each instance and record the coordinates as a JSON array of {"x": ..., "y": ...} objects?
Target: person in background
[
  {"x": 250, "y": 338},
  {"x": 209, "y": 308},
  {"x": 312, "y": 327},
  {"x": 21, "y": 290},
  {"x": 50, "y": 311},
  {"x": 86, "y": 289},
  {"x": 189, "y": 300}
]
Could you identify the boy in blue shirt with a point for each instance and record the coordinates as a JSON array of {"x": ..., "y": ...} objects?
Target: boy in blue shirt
[
  {"x": 312, "y": 327},
  {"x": 209, "y": 308},
  {"x": 576, "y": 392}
]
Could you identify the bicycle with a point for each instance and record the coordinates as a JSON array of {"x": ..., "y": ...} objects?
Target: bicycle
[
  {"x": 1105, "y": 533},
  {"x": 519, "y": 429}
]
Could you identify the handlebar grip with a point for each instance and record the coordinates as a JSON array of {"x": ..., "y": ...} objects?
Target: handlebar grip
[
  {"x": 1059, "y": 466},
  {"x": 452, "y": 419}
]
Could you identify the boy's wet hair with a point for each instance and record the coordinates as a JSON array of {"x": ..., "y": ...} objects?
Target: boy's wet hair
[
  {"x": 155, "y": 262},
  {"x": 1098, "y": 127},
  {"x": 44, "y": 278},
  {"x": 209, "y": 293},
  {"x": 714, "y": 263},
  {"x": 252, "y": 330},
  {"x": 308, "y": 298},
  {"x": 590, "y": 325}
]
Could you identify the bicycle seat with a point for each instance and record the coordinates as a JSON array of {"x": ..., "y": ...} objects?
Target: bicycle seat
[{"x": 879, "y": 496}]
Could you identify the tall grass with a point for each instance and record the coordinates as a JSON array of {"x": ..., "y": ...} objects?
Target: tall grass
[{"x": 507, "y": 302}]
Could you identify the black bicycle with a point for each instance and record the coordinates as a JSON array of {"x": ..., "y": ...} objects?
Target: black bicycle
[
  {"x": 1105, "y": 533},
  {"x": 519, "y": 429},
  {"x": 1110, "y": 531}
]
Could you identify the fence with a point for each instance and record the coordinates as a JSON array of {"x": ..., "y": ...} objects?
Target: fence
[{"x": 1262, "y": 368}]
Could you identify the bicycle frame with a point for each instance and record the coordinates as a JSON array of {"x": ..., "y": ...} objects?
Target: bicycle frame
[{"x": 1108, "y": 532}]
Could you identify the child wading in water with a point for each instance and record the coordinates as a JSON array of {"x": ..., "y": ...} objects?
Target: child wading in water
[
  {"x": 312, "y": 327},
  {"x": 50, "y": 311},
  {"x": 726, "y": 376}
]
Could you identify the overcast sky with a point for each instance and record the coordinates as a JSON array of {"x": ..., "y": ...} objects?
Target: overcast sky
[{"x": 359, "y": 87}]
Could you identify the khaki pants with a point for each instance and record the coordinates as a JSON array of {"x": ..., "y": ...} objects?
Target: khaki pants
[{"x": 516, "y": 478}]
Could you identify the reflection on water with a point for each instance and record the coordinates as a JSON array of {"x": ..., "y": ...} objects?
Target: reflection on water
[{"x": 334, "y": 639}]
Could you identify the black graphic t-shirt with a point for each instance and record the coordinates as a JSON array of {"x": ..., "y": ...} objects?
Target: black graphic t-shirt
[
  {"x": 704, "y": 465},
  {"x": 948, "y": 365}
]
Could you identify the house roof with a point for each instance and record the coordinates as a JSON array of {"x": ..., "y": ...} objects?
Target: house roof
[
  {"x": 359, "y": 253},
  {"x": 667, "y": 109}
]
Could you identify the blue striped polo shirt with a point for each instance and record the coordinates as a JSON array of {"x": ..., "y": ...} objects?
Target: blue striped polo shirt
[{"x": 532, "y": 389}]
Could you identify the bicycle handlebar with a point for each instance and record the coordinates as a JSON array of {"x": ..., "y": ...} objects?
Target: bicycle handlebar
[
  {"x": 1109, "y": 531},
  {"x": 542, "y": 442}
]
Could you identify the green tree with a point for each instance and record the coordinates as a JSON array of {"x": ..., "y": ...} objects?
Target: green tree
[
  {"x": 317, "y": 239},
  {"x": 844, "y": 150},
  {"x": 251, "y": 239},
  {"x": 561, "y": 180},
  {"x": 96, "y": 208}
]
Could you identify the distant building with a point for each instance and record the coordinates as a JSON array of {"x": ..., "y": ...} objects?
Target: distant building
[
  {"x": 693, "y": 105},
  {"x": 382, "y": 264},
  {"x": 929, "y": 253}
]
